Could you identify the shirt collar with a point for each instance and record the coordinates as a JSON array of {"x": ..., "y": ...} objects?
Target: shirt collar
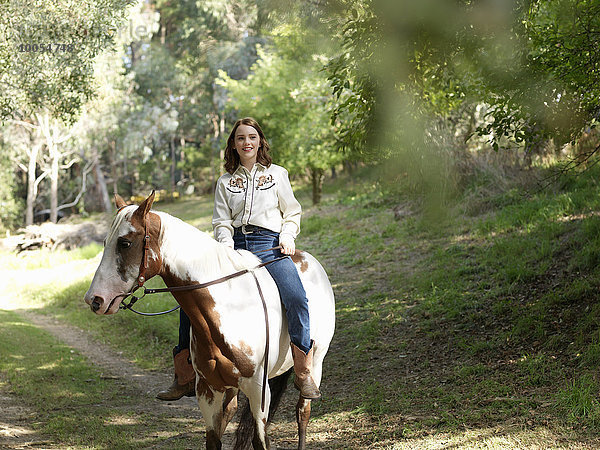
[{"x": 256, "y": 166}]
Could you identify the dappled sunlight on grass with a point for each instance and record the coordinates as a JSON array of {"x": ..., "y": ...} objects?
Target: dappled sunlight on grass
[
  {"x": 49, "y": 366},
  {"x": 121, "y": 420},
  {"x": 500, "y": 438}
]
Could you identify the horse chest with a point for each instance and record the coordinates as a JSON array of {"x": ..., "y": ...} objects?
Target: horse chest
[{"x": 220, "y": 364}]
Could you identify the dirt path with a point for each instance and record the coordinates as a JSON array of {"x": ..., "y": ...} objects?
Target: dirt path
[{"x": 112, "y": 364}]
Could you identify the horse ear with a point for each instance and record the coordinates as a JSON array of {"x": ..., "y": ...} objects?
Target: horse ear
[
  {"x": 144, "y": 208},
  {"x": 119, "y": 201}
]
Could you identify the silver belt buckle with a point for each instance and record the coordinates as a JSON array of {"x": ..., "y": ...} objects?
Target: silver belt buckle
[{"x": 244, "y": 230}]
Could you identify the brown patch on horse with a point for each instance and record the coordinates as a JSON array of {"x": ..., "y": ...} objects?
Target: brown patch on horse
[
  {"x": 203, "y": 389},
  {"x": 221, "y": 365},
  {"x": 300, "y": 259}
]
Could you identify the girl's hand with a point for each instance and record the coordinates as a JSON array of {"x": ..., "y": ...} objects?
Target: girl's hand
[{"x": 288, "y": 246}]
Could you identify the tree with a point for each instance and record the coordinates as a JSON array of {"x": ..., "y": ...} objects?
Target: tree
[
  {"x": 47, "y": 53},
  {"x": 54, "y": 136},
  {"x": 44, "y": 133},
  {"x": 27, "y": 143},
  {"x": 10, "y": 202},
  {"x": 203, "y": 38}
]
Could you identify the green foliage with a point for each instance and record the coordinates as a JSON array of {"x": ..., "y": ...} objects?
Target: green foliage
[
  {"x": 11, "y": 206},
  {"x": 47, "y": 50},
  {"x": 532, "y": 63}
]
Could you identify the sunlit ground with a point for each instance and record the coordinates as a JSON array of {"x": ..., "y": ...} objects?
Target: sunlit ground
[
  {"x": 25, "y": 288},
  {"x": 489, "y": 438}
]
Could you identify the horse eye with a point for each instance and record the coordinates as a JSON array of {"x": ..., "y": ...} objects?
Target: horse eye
[{"x": 123, "y": 243}]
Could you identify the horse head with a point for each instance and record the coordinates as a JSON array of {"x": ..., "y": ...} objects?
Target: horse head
[{"x": 131, "y": 256}]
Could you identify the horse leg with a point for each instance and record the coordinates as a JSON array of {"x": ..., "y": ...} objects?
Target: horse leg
[
  {"x": 230, "y": 404},
  {"x": 260, "y": 441},
  {"x": 211, "y": 407},
  {"x": 302, "y": 416}
]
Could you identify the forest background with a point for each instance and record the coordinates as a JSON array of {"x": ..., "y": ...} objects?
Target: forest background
[
  {"x": 458, "y": 230},
  {"x": 124, "y": 96}
]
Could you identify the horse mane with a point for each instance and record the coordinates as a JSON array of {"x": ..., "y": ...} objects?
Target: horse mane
[{"x": 193, "y": 254}]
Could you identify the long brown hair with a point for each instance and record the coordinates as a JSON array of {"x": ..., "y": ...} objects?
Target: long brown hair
[{"x": 232, "y": 159}]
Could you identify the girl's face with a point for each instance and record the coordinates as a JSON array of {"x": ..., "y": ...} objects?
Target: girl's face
[{"x": 247, "y": 142}]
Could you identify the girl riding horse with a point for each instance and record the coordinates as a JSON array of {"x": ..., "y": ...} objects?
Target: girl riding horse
[{"x": 255, "y": 209}]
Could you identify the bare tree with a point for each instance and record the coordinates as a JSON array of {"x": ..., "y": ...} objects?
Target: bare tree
[
  {"x": 54, "y": 135},
  {"x": 47, "y": 133},
  {"x": 30, "y": 143}
]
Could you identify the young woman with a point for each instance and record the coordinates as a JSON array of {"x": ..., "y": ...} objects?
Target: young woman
[{"x": 255, "y": 209}]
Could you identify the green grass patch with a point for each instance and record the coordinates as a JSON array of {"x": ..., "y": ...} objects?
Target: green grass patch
[
  {"x": 74, "y": 404},
  {"x": 579, "y": 401}
]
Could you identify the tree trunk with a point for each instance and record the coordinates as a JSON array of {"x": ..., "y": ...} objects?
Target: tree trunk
[
  {"x": 173, "y": 164},
  {"x": 317, "y": 184},
  {"x": 53, "y": 136},
  {"x": 101, "y": 183},
  {"x": 222, "y": 132},
  {"x": 216, "y": 152},
  {"x": 113, "y": 167},
  {"x": 53, "y": 182},
  {"x": 31, "y": 185},
  {"x": 182, "y": 156}
]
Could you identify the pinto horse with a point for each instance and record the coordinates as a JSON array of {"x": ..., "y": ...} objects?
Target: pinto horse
[{"x": 228, "y": 340}]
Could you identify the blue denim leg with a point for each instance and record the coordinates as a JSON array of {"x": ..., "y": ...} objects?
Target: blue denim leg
[
  {"x": 184, "y": 331},
  {"x": 287, "y": 280}
]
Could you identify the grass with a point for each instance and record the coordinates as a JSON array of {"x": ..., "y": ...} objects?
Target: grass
[
  {"x": 74, "y": 405},
  {"x": 485, "y": 318}
]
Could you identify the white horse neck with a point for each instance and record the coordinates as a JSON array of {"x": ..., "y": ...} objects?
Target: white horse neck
[{"x": 191, "y": 254}]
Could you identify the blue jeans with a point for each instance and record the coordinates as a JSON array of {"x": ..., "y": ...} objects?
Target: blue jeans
[{"x": 287, "y": 280}]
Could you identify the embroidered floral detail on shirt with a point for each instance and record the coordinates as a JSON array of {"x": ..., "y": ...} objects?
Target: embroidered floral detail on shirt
[
  {"x": 265, "y": 182},
  {"x": 236, "y": 185}
]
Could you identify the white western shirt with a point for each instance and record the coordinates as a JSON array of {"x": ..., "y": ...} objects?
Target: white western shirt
[{"x": 261, "y": 197}]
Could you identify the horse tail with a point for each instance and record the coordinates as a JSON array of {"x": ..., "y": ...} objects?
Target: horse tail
[{"x": 245, "y": 429}]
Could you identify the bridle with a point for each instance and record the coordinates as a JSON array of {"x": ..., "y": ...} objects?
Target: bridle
[{"x": 142, "y": 279}]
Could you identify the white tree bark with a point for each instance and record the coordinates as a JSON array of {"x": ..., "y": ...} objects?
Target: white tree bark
[
  {"x": 101, "y": 183},
  {"x": 31, "y": 146},
  {"x": 32, "y": 182},
  {"x": 54, "y": 137}
]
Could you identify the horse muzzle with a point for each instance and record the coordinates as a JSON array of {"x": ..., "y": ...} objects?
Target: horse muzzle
[{"x": 100, "y": 305}]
